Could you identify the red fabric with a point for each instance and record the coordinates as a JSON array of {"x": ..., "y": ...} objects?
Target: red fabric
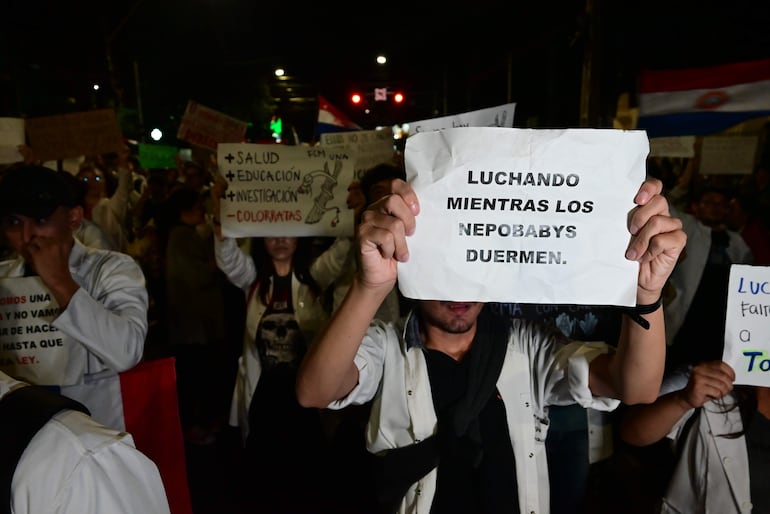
[
  {"x": 713, "y": 77},
  {"x": 151, "y": 412}
]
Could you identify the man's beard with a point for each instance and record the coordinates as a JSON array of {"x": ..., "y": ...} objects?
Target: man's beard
[{"x": 452, "y": 326}]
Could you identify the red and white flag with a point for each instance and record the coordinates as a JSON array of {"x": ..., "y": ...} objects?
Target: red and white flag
[{"x": 331, "y": 119}]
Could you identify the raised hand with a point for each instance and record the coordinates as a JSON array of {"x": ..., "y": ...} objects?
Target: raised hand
[
  {"x": 382, "y": 234},
  {"x": 657, "y": 240},
  {"x": 708, "y": 381}
]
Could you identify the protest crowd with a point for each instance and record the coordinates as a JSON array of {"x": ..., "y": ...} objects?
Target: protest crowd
[{"x": 285, "y": 373}]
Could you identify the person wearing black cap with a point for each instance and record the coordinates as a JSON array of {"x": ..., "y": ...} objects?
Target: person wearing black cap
[{"x": 100, "y": 296}]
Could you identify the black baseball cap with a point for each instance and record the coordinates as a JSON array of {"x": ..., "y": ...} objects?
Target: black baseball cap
[{"x": 35, "y": 191}]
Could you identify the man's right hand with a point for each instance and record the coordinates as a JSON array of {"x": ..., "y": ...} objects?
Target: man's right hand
[{"x": 382, "y": 235}]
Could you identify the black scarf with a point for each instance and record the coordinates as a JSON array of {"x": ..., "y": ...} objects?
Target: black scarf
[
  {"x": 458, "y": 426},
  {"x": 459, "y": 423}
]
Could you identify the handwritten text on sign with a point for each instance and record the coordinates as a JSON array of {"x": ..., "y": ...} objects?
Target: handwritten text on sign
[
  {"x": 747, "y": 325},
  {"x": 371, "y": 147},
  {"x": 279, "y": 190},
  {"x": 523, "y": 215},
  {"x": 500, "y": 116}
]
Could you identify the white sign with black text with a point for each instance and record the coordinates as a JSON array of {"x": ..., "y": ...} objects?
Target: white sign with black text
[{"x": 523, "y": 215}]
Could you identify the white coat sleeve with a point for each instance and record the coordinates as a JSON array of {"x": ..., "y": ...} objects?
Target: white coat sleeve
[
  {"x": 236, "y": 265},
  {"x": 330, "y": 265},
  {"x": 108, "y": 314}
]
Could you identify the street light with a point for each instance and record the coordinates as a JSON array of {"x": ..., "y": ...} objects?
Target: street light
[{"x": 156, "y": 134}]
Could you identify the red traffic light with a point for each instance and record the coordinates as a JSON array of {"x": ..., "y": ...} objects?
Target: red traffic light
[
  {"x": 398, "y": 98},
  {"x": 355, "y": 98}
]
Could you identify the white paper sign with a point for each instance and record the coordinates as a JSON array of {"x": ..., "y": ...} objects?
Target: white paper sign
[
  {"x": 523, "y": 215},
  {"x": 279, "y": 190},
  {"x": 728, "y": 155},
  {"x": 500, "y": 116},
  {"x": 371, "y": 147},
  {"x": 11, "y": 136},
  {"x": 31, "y": 349},
  {"x": 747, "y": 325}
]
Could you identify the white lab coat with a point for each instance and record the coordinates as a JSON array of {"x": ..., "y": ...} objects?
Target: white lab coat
[
  {"x": 74, "y": 465},
  {"x": 537, "y": 372}
]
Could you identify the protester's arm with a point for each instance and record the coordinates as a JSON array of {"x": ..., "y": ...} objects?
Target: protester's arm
[
  {"x": 119, "y": 200},
  {"x": 50, "y": 258},
  {"x": 643, "y": 425},
  {"x": 634, "y": 372},
  {"x": 137, "y": 212},
  {"x": 328, "y": 371},
  {"x": 236, "y": 265},
  {"x": 332, "y": 263},
  {"x": 108, "y": 315}
]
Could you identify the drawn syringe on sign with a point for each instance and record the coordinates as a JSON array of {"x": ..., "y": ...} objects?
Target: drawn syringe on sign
[{"x": 319, "y": 202}]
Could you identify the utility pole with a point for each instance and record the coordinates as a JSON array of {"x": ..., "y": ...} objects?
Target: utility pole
[
  {"x": 588, "y": 94},
  {"x": 117, "y": 90}
]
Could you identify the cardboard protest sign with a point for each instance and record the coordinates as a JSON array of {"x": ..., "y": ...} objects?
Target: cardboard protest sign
[
  {"x": 11, "y": 136},
  {"x": 278, "y": 190},
  {"x": 747, "y": 324},
  {"x": 371, "y": 147},
  {"x": 205, "y": 127},
  {"x": 675, "y": 146},
  {"x": 728, "y": 155},
  {"x": 523, "y": 215},
  {"x": 72, "y": 135},
  {"x": 31, "y": 348},
  {"x": 500, "y": 116},
  {"x": 157, "y": 156}
]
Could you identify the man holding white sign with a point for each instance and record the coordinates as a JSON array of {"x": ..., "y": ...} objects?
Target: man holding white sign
[{"x": 455, "y": 384}]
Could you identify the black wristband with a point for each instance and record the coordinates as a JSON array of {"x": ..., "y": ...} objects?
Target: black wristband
[{"x": 635, "y": 313}]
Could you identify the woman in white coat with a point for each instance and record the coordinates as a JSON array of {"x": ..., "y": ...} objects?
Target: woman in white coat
[{"x": 284, "y": 442}]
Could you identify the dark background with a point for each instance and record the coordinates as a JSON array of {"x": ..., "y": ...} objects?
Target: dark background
[{"x": 152, "y": 56}]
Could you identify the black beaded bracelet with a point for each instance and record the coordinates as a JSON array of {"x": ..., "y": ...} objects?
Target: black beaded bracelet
[{"x": 635, "y": 313}]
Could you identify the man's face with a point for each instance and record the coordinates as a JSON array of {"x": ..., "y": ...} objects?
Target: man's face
[
  {"x": 94, "y": 181},
  {"x": 193, "y": 178},
  {"x": 20, "y": 230},
  {"x": 451, "y": 317},
  {"x": 712, "y": 209}
]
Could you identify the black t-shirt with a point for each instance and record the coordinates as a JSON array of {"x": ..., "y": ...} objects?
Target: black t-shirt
[{"x": 279, "y": 338}]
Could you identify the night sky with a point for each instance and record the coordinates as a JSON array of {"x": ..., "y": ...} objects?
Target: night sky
[{"x": 446, "y": 59}]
